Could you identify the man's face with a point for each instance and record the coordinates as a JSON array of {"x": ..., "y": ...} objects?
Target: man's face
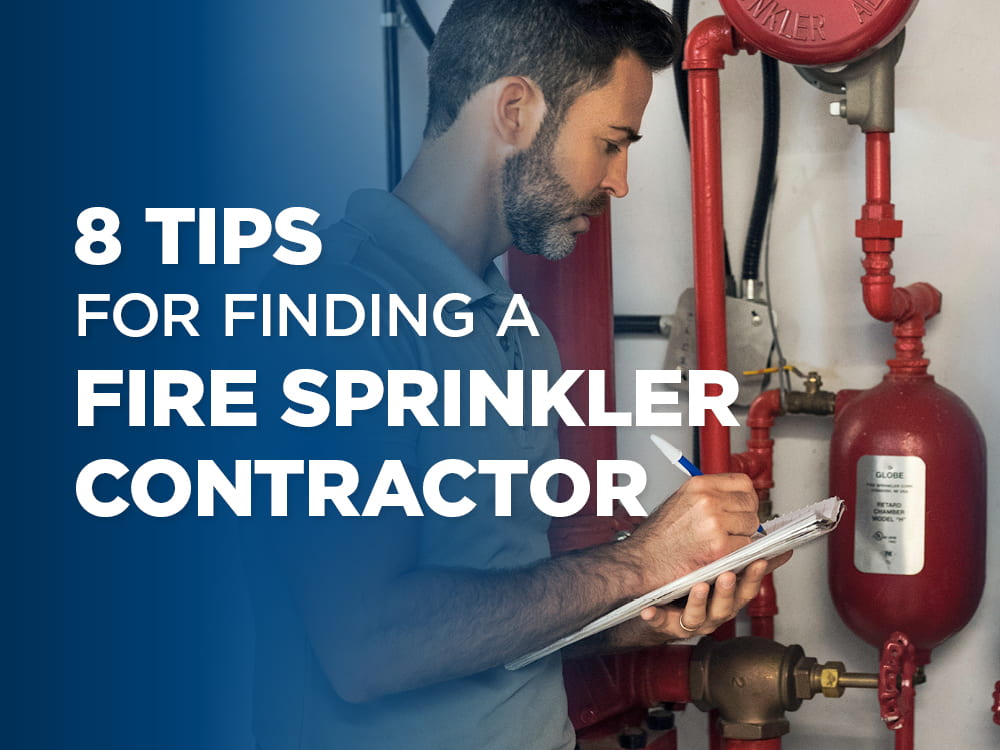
[{"x": 568, "y": 173}]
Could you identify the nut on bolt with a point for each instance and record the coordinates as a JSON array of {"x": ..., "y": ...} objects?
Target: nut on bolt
[{"x": 828, "y": 677}]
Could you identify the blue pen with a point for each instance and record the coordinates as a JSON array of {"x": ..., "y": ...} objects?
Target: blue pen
[{"x": 678, "y": 459}]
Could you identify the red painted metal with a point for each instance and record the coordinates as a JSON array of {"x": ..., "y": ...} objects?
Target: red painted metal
[
  {"x": 764, "y": 409},
  {"x": 878, "y": 229},
  {"x": 896, "y": 693},
  {"x": 908, "y": 414},
  {"x": 707, "y": 45},
  {"x": 818, "y": 32},
  {"x": 609, "y": 692},
  {"x": 758, "y": 462},
  {"x": 996, "y": 703},
  {"x": 704, "y": 55},
  {"x": 770, "y": 744},
  {"x": 573, "y": 298},
  {"x": 665, "y": 741}
]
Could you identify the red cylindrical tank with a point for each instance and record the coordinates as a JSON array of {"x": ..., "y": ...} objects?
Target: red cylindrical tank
[
  {"x": 909, "y": 459},
  {"x": 818, "y": 32}
]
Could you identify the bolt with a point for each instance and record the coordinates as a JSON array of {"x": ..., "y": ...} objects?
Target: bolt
[{"x": 839, "y": 109}]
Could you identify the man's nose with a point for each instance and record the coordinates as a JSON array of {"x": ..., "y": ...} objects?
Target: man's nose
[{"x": 616, "y": 179}]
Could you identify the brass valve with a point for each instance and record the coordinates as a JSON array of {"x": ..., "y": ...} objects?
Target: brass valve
[
  {"x": 752, "y": 682},
  {"x": 812, "y": 399}
]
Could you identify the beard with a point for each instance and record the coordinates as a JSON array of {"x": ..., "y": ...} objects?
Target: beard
[{"x": 539, "y": 204}]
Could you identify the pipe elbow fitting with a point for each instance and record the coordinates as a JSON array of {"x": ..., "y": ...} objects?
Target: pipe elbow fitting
[
  {"x": 710, "y": 41},
  {"x": 891, "y": 304},
  {"x": 921, "y": 300},
  {"x": 764, "y": 408}
]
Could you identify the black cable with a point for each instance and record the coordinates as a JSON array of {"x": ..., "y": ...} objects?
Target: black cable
[
  {"x": 418, "y": 21},
  {"x": 680, "y": 13},
  {"x": 766, "y": 169},
  {"x": 638, "y": 324},
  {"x": 390, "y": 48}
]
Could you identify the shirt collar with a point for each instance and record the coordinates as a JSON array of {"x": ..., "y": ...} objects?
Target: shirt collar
[{"x": 401, "y": 231}]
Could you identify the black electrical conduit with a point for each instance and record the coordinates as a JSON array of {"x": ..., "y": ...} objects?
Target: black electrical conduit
[
  {"x": 766, "y": 168},
  {"x": 765, "y": 171},
  {"x": 390, "y": 52},
  {"x": 680, "y": 13},
  {"x": 390, "y": 63},
  {"x": 418, "y": 21}
]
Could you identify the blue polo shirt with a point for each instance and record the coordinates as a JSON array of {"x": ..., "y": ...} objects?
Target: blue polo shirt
[{"x": 380, "y": 248}]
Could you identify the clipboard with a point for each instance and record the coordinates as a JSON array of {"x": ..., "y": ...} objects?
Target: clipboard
[{"x": 783, "y": 533}]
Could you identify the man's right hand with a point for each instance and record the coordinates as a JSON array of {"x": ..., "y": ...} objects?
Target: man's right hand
[{"x": 706, "y": 518}]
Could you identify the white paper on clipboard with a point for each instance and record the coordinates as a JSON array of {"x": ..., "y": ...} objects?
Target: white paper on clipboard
[{"x": 782, "y": 533}]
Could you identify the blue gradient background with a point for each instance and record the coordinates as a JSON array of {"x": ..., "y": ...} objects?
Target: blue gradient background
[{"x": 132, "y": 632}]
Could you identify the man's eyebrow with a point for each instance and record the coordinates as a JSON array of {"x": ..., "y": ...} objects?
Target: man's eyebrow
[{"x": 629, "y": 132}]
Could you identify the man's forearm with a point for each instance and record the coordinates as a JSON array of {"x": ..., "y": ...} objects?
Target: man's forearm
[
  {"x": 415, "y": 628},
  {"x": 436, "y": 624}
]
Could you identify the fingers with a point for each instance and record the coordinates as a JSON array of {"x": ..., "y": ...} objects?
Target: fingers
[
  {"x": 706, "y": 518},
  {"x": 707, "y": 608}
]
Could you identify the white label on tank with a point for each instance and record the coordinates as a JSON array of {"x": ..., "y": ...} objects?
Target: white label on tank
[{"x": 889, "y": 523}]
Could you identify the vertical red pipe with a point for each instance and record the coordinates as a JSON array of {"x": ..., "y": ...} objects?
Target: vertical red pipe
[
  {"x": 904, "y": 737},
  {"x": 878, "y": 177},
  {"x": 709, "y": 258},
  {"x": 704, "y": 51},
  {"x": 771, "y": 744},
  {"x": 907, "y": 307},
  {"x": 573, "y": 297},
  {"x": 765, "y": 408}
]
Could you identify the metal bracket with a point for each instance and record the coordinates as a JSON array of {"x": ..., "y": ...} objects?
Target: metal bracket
[
  {"x": 748, "y": 335},
  {"x": 869, "y": 85}
]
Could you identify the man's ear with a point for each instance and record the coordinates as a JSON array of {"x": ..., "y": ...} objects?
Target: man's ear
[{"x": 518, "y": 111}]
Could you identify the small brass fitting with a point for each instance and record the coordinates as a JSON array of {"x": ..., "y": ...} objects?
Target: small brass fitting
[
  {"x": 828, "y": 678},
  {"x": 812, "y": 399}
]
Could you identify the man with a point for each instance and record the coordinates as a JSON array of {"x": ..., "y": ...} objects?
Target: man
[{"x": 390, "y": 631}]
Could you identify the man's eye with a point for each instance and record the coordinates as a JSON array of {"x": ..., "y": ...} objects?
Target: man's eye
[{"x": 612, "y": 148}]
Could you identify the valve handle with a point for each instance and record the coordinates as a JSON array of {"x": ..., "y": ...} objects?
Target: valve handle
[
  {"x": 996, "y": 703},
  {"x": 895, "y": 681}
]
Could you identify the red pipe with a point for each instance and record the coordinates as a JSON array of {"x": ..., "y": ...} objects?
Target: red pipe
[
  {"x": 758, "y": 462},
  {"x": 600, "y": 691},
  {"x": 764, "y": 409},
  {"x": 878, "y": 229},
  {"x": 904, "y": 737},
  {"x": 704, "y": 53},
  {"x": 584, "y": 334},
  {"x": 769, "y": 744},
  {"x": 666, "y": 741},
  {"x": 603, "y": 693}
]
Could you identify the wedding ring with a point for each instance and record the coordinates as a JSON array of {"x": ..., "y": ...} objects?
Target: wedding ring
[{"x": 685, "y": 628}]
